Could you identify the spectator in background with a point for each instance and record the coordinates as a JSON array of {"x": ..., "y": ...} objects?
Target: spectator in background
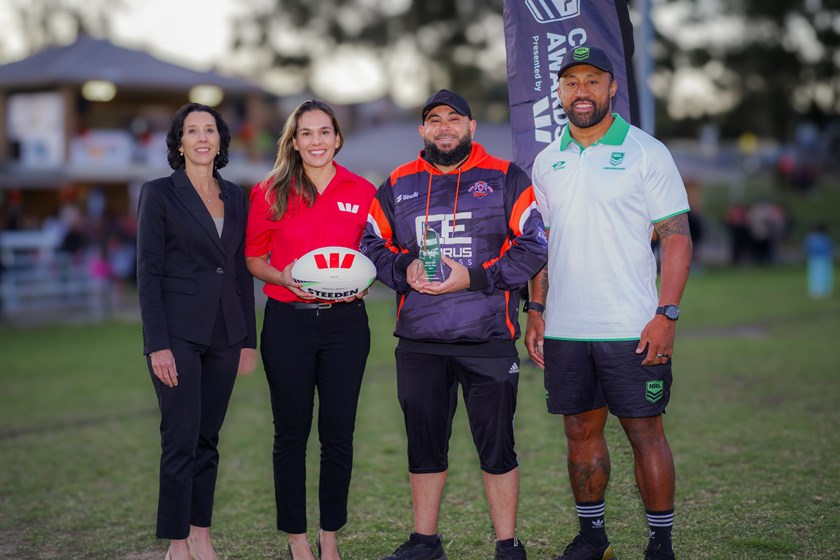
[
  {"x": 122, "y": 256},
  {"x": 739, "y": 232},
  {"x": 767, "y": 226},
  {"x": 819, "y": 252},
  {"x": 14, "y": 209}
]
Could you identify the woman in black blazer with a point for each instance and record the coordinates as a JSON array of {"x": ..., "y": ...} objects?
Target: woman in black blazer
[{"x": 197, "y": 305}]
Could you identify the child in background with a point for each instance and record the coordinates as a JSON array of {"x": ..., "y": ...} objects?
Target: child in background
[{"x": 820, "y": 254}]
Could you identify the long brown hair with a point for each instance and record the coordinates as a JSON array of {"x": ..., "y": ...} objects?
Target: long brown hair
[{"x": 288, "y": 173}]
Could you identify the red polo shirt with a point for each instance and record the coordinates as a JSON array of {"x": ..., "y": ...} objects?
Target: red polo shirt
[{"x": 337, "y": 217}]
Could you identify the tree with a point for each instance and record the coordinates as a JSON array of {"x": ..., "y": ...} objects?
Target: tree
[
  {"x": 769, "y": 64},
  {"x": 419, "y": 46}
]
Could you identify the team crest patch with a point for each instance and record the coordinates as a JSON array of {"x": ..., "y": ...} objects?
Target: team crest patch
[
  {"x": 654, "y": 390},
  {"x": 616, "y": 158},
  {"x": 581, "y": 53},
  {"x": 480, "y": 189},
  {"x": 559, "y": 165}
]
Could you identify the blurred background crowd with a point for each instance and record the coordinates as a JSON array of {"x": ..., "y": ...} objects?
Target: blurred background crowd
[{"x": 746, "y": 98}]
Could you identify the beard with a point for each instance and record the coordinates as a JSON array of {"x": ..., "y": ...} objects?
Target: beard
[
  {"x": 585, "y": 121},
  {"x": 451, "y": 157}
]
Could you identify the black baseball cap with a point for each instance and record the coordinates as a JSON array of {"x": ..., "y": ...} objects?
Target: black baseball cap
[
  {"x": 446, "y": 97},
  {"x": 592, "y": 56}
]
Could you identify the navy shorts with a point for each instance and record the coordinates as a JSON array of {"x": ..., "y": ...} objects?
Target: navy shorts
[
  {"x": 582, "y": 376},
  {"x": 427, "y": 388}
]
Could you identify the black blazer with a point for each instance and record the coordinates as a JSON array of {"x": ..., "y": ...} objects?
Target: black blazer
[{"x": 185, "y": 270}]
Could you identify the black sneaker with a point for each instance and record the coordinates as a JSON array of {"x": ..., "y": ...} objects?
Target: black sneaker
[
  {"x": 409, "y": 550},
  {"x": 657, "y": 554},
  {"x": 515, "y": 552},
  {"x": 582, "y": 549}
]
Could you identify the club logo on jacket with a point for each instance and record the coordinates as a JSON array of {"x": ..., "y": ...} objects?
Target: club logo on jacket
[
  {"x": 347, "y": 207},
  {"x": 480, "y": 189}
]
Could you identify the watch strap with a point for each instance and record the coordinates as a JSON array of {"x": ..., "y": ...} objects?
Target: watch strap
[
  {"x": 533, "y": 306},
  {"x": 663, "y": 310}
]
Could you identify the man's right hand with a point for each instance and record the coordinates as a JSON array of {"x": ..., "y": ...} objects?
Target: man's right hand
[
  {"x": 416, "y": 277},
  {"x": 534, "y": 329}
]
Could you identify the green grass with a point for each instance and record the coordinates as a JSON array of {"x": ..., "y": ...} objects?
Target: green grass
[{"x": 753, "y": 423}]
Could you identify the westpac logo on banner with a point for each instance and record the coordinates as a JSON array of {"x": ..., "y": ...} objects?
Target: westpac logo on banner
[{"x": 546, "y": 11}]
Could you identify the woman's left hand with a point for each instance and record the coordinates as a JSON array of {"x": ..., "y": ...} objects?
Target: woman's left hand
[{"x": 247, "y": 361}]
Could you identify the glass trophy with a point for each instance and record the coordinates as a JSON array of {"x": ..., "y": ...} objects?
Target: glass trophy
[{"x": 430, "y": 255}]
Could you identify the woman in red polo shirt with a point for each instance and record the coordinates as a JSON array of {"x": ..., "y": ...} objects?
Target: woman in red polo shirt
[{"x": 306, "y": 202}]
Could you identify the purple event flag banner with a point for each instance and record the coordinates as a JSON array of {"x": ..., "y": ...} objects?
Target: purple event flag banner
[{"x": 539, "y": 35}]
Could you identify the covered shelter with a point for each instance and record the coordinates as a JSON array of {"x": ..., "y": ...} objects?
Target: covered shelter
[
  {"x": 82, "y": 126},
  {"x": 94, "y": 111}
]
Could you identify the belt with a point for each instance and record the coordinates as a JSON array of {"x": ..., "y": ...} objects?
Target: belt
[{"x": 302, "y": 305}]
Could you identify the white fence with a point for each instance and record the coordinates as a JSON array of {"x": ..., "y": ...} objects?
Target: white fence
[{"x": 37, "y": 278}]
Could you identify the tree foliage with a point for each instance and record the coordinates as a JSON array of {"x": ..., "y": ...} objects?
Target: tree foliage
[
  {"x": 446, "y": 43},
  {"x": 776, "y": 66},
  {"x": 761, "y": 66}
]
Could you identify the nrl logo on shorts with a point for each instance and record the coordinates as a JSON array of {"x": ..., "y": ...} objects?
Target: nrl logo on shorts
[
  {"x": 480, "y": 189},
  {"x": 654, "y": 390}
]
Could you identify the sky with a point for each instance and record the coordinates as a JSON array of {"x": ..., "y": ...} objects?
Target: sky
[
  {"x": 193, "y": 32},
  {"x": 196, "y": 34}
]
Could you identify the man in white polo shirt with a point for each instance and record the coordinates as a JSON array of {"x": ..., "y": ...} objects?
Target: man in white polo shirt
[{"x": 603, "y": 187}]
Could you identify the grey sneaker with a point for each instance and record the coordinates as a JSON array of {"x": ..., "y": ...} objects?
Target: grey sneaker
[
  {"x": 581, "y": 549},
  {"x": 515, "y": 552},
  {"x": 410, "y": 550}
]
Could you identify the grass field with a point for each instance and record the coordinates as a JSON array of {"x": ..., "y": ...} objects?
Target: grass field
[{"x": 753, "y": 422}]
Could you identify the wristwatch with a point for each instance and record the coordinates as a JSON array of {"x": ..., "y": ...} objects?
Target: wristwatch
[
  {"x": 533, "y": 305},
  {"x": 671, "y": 312}
]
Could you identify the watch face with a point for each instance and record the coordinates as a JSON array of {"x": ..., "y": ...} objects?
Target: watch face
[{"x": 672, "y": 312}]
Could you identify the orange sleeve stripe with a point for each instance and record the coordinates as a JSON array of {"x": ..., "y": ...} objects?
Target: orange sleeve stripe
[
  {"x": 400, "y": 304},
  {"x": 509, "y": 323},
  {"x": 525, "y": 200},
  {"x": 404, "y": 170},
  {"x": 378, "y": 215},
  {"x": 505, "y": 246},
  {"x": 495, "y": 163}
]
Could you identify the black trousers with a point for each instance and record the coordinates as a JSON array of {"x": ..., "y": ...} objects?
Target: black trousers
[
  {"x": 304, "y": 350},
  {"x": 191, "y": 416}
]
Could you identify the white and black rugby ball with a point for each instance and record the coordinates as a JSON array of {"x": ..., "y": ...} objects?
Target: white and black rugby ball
[{"x": 333, "y": 273}]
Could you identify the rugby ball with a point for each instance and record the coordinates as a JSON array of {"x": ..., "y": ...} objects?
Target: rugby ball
[{"x": 333, "y": 273}]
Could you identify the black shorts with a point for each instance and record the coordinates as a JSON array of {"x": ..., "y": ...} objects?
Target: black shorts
[
  {"x": 582, "y": 376},
  {"x": 427, "y": 387}
]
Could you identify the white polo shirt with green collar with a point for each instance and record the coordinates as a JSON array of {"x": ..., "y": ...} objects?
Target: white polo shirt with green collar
[{"x": 599, "y": 204}]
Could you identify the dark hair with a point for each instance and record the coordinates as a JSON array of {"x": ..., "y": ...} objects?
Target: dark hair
[
  {"x": 288, "y": 173},
  {"x": 176, "y": 130}
]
